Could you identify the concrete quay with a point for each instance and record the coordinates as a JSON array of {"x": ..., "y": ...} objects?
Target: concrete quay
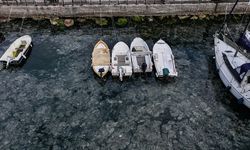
[{"x": 107, "y": 10}]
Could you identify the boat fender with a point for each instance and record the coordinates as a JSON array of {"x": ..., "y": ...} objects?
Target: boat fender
[
  {"x": 240, "y": 101},
  {"x": 228, "y": 87}
]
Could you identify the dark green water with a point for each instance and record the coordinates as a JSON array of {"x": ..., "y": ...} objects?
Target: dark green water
[{"x": 55, "y": 102}]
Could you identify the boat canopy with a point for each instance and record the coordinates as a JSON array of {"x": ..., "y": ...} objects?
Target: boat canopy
[
  {"x": 244, "y": 68},
  {"x": 243, "y": 71},
  {"x": 244, "y": 41}
]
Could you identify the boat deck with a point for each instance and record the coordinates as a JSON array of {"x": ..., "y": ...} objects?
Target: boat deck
[
  {"x": 121, "y": 60},
  {"x": 140, "y": 60}
]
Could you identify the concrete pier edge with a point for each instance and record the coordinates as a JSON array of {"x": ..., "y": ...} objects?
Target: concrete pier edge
[{"x": 121, "y": 10}]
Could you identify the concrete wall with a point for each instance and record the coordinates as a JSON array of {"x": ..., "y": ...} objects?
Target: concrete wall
[{"x": 121, "y": 10}]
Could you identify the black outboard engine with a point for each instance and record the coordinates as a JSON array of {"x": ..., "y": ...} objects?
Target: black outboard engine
[
  {"x": 101, "y": 70},
  {"x": 144, "y": 67}
]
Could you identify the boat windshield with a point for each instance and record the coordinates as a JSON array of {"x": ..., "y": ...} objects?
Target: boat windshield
[{"x": 138, "y": 49}]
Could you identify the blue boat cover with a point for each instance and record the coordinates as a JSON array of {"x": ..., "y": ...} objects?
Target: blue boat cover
[
  {"x": 244, "y": 68},
  {"x": 244, "y": 41}
]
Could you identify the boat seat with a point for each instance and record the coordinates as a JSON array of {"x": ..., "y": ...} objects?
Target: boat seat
[
  {"x": 15, "y": 53},
  {"x": 23, "y": 42},
  {"x": 20, "y": 49}
]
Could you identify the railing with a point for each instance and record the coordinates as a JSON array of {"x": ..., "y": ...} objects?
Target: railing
[
  {"x": 107, "y": 2},
  {"x": 95, "y": 2}
]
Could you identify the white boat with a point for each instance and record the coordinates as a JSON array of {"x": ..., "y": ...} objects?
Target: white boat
[
  {"x": 17, "y": 52},
  {"x": 163, "y": 60},
  {"x": 141, "y": 56},
  {"x": 121, "y": 60},
  {"x": 233, "y": 67},
  {"x": 232, "y": 61},
  {"x": 101, "y": 59}
]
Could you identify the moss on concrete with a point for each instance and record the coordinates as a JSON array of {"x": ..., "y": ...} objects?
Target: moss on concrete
[
  {"x": 137, "y": 19},
  {"x": 121, "y": 22},
  {"x": 101, "y": 21}
]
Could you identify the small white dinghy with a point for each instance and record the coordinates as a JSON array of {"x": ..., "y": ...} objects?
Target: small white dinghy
[
  {"x": 141, "y": 56},
  {"x": 233, "y": 68},
  {"x": 164, "y": 60},
  {"x": 17, "y": 52},
  {"x": 101, "y": 59},
  {"x": 121, "y": 60}
]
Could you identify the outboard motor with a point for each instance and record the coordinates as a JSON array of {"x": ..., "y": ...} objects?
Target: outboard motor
[
  {"x": 9, "y": 59},
  {"x": 144, "y": 67},
  {"x": 120, "y": 73},
  {"x": 165, "y": 72},
  {"x": 101, "y": 70}
]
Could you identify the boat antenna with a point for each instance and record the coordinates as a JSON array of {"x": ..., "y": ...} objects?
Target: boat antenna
[{"x": 230, "y": 13}]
